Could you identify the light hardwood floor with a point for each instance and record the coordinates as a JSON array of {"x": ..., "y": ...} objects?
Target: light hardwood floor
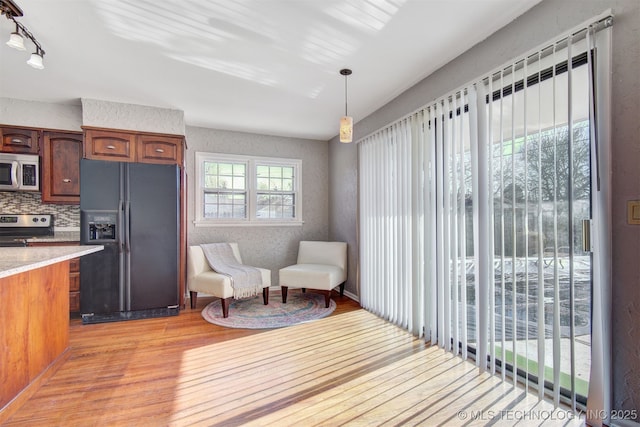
[{"x": 351, "y": 368}]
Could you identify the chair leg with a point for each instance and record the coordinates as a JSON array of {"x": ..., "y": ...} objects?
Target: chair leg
[
  {"x": 284, "y": 290},
  {"x": 225, "y": 306},
  {"x": 193, "y": 297},
  {"x": 342, "y": 289},
  {"x": 265, "y": 295},
  {"x": 327, "y": 298}
]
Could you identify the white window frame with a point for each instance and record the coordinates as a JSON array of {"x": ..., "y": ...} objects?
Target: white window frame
[{"x": 251, "y": 163}]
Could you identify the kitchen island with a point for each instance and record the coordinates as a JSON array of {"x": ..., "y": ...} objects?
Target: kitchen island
[{"x": 34, "y": 320}]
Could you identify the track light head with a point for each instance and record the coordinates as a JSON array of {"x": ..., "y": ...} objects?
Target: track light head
[
  {"x": 16, "y": 41},
  {"x": 36, "y": 60}
]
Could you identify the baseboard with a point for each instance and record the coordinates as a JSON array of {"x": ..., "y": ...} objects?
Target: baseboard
[
  {"x": 352, "y": 296},
  {"x": 277, "y": 288}
]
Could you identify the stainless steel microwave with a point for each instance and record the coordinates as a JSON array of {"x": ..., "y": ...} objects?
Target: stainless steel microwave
[{"x": 19, "y": 172}]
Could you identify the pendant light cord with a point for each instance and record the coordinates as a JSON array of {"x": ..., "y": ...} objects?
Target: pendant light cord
[
  {"x": 345, "y": 95},
  {"x": 346, "y": 73}
]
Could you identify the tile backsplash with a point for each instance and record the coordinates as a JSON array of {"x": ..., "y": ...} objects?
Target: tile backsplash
[{"x": 64, "y": 216}]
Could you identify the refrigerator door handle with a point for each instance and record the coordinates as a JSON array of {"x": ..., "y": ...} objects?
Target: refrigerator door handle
[
  {"x": 127, "y": 254},
  {"x": 127, "y": 227},
  {"x": 120, "y": 224},
  {"x": 121, "y": 254}
]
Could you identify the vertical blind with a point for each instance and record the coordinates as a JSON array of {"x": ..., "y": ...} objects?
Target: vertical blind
[{"x": 471, "y": 216}]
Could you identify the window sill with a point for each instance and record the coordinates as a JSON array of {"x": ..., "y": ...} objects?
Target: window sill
[{"x": 203, "y": 223}]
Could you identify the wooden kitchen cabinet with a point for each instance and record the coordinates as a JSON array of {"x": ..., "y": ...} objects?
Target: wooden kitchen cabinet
[
  {"x": 109, "y": 145},
  {"x": 130, "y": 146},
  {"x": 19, "y": 140},
  {"x": 74, "y": 275},
  {"x": 159, "y": 149},
  {"x": 61, "y": 156}
]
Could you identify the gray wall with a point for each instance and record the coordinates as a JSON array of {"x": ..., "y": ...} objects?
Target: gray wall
[
  {"x": 540, "y": 24},
  {"x": 270, "y": 247},
  {"x": 18, "y": 112}
]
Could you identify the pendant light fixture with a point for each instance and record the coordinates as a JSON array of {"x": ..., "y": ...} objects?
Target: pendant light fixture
[
  {"x": 16, "y": 39},
  {"x": 346, "y": 122}
]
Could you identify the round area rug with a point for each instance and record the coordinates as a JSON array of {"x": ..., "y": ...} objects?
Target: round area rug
[{"x": 251, "y": 313}]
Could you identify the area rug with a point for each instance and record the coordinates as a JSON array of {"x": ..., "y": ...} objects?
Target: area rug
[{"x": 251, "y": 313}]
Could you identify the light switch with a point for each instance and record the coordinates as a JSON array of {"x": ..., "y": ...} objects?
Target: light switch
[{"x": 633, "y": 212}]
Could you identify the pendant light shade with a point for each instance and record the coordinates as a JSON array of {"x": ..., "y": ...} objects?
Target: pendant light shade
[
  {"x": 346, "y": 129},
  {"x": 16, "y": 41},
  {"x": 36, "y": 60},
  {"x": 346, "y": 122}
]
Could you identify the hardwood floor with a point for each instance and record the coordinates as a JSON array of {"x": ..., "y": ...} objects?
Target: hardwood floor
[{"x": 351, "y": 368}]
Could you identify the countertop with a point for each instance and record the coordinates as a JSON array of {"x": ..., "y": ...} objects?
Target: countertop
[
  {"x": 19, "y": 260},
  {"x": 59, "y": 236}
]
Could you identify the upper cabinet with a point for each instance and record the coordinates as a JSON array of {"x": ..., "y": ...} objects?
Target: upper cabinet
[
  {"x": 19, "y": 140},
  {"x": 159, "y": 149},
  {"x": 110, "y": 145},
  {"x": 123, "y": 146},
  {"x": 61, "y": 156}
]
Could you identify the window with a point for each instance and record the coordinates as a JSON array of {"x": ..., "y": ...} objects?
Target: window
[{"x": 244, "y": 190}]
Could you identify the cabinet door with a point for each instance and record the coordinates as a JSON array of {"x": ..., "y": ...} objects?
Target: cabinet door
[
  {"x": 110, "y": 145},
  {"x": 61, "y": 167},
  {"x": 19, "y": 140},
  {"x": 159, "y": 149}
]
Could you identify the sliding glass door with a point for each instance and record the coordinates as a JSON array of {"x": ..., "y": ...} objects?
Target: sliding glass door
[
  {"x": 475, "y": 213},
  {"x": 541, "y": 193}
]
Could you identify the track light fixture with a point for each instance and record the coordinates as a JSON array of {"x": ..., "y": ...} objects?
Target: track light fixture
[
  {"x": 16, "y": 39},
  {"x": 346, "y": 122}
]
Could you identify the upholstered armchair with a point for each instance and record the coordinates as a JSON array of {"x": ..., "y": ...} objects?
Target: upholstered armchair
[
  {"x": 321, "y": 266},
  {"x": 201, "y": 278}
]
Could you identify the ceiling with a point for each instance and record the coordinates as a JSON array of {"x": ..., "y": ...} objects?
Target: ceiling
[{"x": 261, "y": 66}]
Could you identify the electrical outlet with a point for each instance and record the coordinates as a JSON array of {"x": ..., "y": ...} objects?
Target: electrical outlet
[{"x": 633, "y": 212}]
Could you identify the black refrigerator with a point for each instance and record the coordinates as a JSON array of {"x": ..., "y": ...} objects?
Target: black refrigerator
[{"x": 133, "y": 209}]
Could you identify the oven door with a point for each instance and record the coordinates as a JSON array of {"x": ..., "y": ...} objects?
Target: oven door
[{"x": 9, "y": 175}]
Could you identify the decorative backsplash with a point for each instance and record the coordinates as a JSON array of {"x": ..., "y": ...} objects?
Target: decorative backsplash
[{"x": 30, "y": 203}]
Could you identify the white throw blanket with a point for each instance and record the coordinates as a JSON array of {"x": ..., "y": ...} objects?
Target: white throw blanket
[{"x": 246, "y": 281}]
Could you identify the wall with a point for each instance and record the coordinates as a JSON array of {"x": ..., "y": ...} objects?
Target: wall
[
  {"x": 116, "y": 115},
  {"x": 271, "y": 247},
  {"x": 543, "y": 22},
  {"x": 18, "y": 112}
]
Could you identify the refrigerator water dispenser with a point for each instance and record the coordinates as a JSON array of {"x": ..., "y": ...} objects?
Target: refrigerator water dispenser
[{"x": 99, "y": 227}]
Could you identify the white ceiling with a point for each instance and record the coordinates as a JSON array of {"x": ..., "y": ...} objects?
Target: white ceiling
[{"x": 262, "y": 66}]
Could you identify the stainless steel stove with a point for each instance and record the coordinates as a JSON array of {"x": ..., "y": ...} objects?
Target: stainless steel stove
[{"x": 16, "y": 229}]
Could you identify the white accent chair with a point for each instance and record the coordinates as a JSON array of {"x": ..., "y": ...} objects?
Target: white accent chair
[
  {"x": 321, "y": 266},
  {"x": 201, "y": 278}
]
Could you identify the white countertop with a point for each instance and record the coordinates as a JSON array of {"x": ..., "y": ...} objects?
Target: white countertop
[
  {"x": 18, "y": 260},
  {"x": 59, "y": 236}
]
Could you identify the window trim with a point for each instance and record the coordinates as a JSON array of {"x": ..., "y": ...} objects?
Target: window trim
[{"x": 251, "y": 163}]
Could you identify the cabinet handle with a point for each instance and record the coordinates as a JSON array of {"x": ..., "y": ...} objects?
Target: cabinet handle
[
  {"x": 66, "y": 180},
  {"x": 111, "y": 147},
  {"x": 16, "y": 140},
  {"x": 159, "y": 150}
]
